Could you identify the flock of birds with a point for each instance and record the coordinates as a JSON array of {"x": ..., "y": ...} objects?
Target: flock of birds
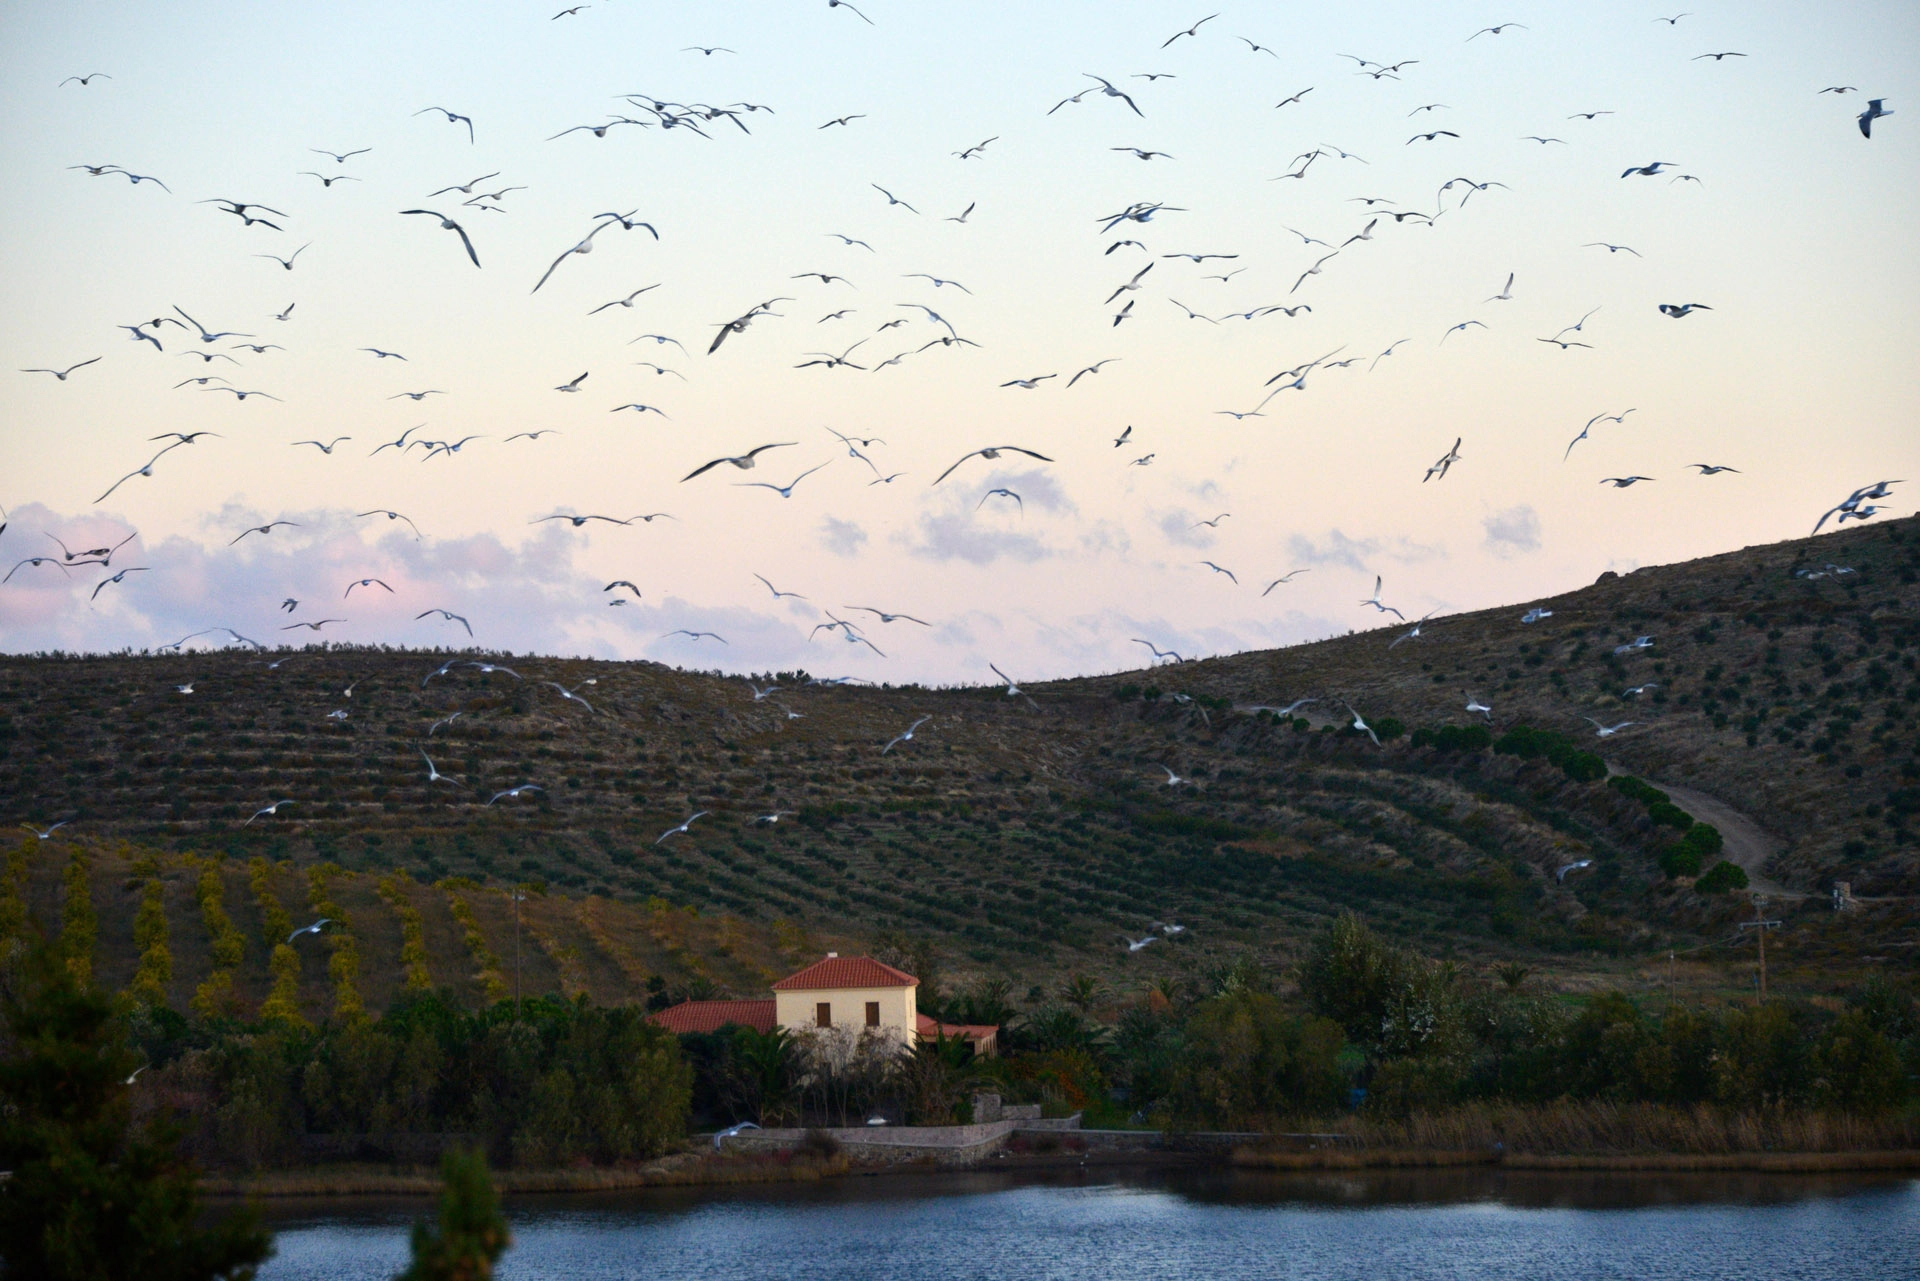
[{"x": 912, "y": 330}]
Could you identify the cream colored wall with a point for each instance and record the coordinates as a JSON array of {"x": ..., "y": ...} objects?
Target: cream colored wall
[{"x": 898, "y": 1011}]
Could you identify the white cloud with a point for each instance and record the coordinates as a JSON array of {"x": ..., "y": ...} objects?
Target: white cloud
[
  {"x": 1513, "y": 532},
  {"x": 1356, "y": 553},
  {"x": 842, "y": 537}
]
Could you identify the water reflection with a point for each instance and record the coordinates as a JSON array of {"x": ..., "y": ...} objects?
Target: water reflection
[{"x": 1462, "y": 1224}]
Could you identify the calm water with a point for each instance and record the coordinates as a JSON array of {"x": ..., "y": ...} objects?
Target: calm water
[{"x": 1144, "y": 1226}]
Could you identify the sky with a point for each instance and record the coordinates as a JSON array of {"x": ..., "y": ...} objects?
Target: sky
[{"x": 1796, "y": 234}]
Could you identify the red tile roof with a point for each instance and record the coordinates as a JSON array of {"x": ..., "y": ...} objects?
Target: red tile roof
[
  {"x": 711, "y": 1016},
  {"x": 930, "y": 1028},
  {"x": 843, "y": 972}
]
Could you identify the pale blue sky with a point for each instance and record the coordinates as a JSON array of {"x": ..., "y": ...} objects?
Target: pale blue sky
[{"x": 1799, "y": 237}]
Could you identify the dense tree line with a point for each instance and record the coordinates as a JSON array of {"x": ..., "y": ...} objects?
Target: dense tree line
[
  {"x": 1365, "y": 1024},
  {"x": 1359, "y": 1023},
  {"x": 549, "y": 1082}
]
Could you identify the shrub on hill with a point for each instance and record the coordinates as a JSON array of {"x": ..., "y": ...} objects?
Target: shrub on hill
[
  {"x": 1637, "y": 789},
  {"x": 1680, "y": 860},
  {"x": 1557, "y": 749},
  {"x": 1454, "y": 738},
  {"x": 1670, "y": 815},
  {"x": 1722, "y": 877}
]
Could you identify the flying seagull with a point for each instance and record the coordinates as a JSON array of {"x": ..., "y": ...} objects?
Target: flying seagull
[
  {"x": 447, "y": 615},
  {"x": 61, "y": 374},
  {"x": 1218, "y": 570},
  {"x": 275, "y": 809},
  {"x": 1194, "y": 30},
  {"x": 743, "y": 461},
  {"x": 1873, "y": 112},
  {"x": 786, "y": 490},
  {"x": 1374, "y": 600},
  {"x": 448, "y": 224},
  {"x": 1447, "y": 460},
  {"x": 452, "y": 117},
  {"x": 390, "y": 515},
  {"x": 1158, "y": 653},
  {"x": 990, "y": 453},
  {"x": 683, "y": 829},
  {"x": 620, "y": 302},
  {"x": 584, "y": 247},
  {"x": 904, "y": 737},
  {"x": 308, "y": 929}
]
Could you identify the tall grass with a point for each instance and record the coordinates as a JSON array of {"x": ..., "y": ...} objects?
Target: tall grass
[{"x": 1595, "y": 1127}]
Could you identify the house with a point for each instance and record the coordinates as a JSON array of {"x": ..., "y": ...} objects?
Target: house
[{"x": 852, "y": 992}]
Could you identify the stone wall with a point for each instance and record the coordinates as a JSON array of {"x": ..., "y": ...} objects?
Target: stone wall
[{"x": 941, "y": 1144}]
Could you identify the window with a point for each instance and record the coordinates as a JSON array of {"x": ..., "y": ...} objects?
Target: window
[
  {"x": 823, "y": 1014},
  {"x": 873, "y": 1014}
]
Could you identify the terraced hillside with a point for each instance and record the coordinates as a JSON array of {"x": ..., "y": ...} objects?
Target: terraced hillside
[{"x": 1024, "y": 835}]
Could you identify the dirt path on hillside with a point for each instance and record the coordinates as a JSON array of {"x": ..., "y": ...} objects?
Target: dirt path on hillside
[{"x": 1747, "y": 843}]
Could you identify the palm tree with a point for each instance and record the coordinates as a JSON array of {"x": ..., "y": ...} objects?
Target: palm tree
[
  {"x": 1082, "y": 992},
  {"x": 764, "y": 1070}
]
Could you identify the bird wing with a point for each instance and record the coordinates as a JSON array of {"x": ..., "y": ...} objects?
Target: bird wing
[
  {"x": 942, "y": 476},
  {"x": 556, "y": 263},
  {"x": 704, "y": 468}
]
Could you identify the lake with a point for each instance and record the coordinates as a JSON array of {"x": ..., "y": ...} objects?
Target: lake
[{"x": 1151, "y": 1224}]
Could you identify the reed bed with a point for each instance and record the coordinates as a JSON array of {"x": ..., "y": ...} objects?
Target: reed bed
[
  {"x": 1624, "y": 1136},
  {"x": 1631, "y": 1128}
]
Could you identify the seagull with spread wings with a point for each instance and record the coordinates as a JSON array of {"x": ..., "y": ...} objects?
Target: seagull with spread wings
[
  {"x": 905, "y": 736},
  {"x": 452, "y": 118},
  {"x": 990, "y": 453},
  {"x": 786, "y": 490},
  {"x": 61, "y": 374},
  {"x": 448, "y": 224},
  {"x": 1374, "y": 600},
  {"x": 447, "y": 615},
  {"x": 744, "y": 462}
]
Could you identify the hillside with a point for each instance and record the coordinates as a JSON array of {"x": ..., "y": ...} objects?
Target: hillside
[{"x": 1015, "y": 835}]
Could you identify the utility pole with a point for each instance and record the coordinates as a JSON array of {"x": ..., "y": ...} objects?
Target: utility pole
[{"x": 1761, "y": 927}]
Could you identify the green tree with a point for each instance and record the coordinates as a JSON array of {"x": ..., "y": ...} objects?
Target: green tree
[
  {"x": 1249, "y": 1064},
  {"x": 1350, "y": 975},
  {"x": 935, "y": 1079},
  {"x": 471, "y": 1235},
  {"x": 1604, "y": 1049},
  {"x": 1763, "y": 1059},
  {"x": 1083, "y": 992},
  {"x": 91, "y": 1195},
  {"x": 1857, "y": 1068},
  {"x": 764, "y": 1071}
]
